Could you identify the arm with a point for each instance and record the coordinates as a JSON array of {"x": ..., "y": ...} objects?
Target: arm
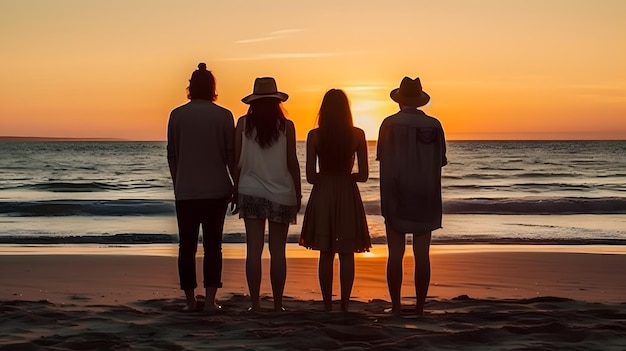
[
  {"x": 361, "y": 153},
  {"x": 172, "y": 161},
  {"x": 292, "y": 162},
  {"x": 235, "y": 170},
  {"x": 444, "y": 158},
  {"x": 311, "y": 157},
  {"x": 379, "y": 142},
  {"x": 229, "y": 140}
]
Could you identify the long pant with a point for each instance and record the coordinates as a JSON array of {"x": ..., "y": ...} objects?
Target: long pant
[{"x": 190, "y": 215}]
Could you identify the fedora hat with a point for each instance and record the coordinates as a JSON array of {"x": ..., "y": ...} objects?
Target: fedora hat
[
  {"x": 410, "y": 93},
  {"x": 265, "y": 87}
]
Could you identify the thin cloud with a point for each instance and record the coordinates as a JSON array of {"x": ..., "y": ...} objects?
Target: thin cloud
[
  {"x": 282, "y": 56},
  {"x": 365, "y": 87},
  {"x": 257, "y": 40},
  {"x": 297, "y": 55},
  {"x": 278, "y": 34},
  {"x": 286, "y": 31}
]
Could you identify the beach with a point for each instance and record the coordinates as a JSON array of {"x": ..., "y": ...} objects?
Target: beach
[
  {"x": 482, "y": 297},
  {"x": 530, "y": 257}
]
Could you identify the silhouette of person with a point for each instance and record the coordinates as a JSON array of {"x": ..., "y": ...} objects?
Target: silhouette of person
[
  {"x": 411, "y": 150},
  {"x": 267, "y": 179},
  {"x": 334, "y": 220},
  {"x": 200, "y": 139}
]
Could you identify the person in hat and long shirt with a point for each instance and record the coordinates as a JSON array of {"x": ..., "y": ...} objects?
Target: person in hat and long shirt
[
  {"x": 411, "y": 150},
  {"x": 200, "y": 154},
  {"x": 268, "y": 183}
]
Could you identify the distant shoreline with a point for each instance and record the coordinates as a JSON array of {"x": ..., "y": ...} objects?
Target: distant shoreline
[
  {"x": 60, "y": 139},
  {"x": 29, "y": 138}
]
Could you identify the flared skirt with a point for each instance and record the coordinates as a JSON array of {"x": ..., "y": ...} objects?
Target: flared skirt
[{"x": 334, "y": 219}]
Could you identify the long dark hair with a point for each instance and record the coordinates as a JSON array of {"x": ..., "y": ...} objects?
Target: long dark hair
[
  {"x": 335, "y": 130},
  {"x": 202, "y": 84},
  {"x": 266, "y": 115}
]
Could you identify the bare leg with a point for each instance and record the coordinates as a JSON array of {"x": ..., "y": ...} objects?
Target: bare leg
[
  {"x": 325, "y": 274},
  {"x": 190, "y": 296},
  {"x": 209, "y": 302},
  {"x": 255, "y": 239},
  {"x": 421, "y": 252},
  {"x": 346, "y": 275},
  {"x": 278, "y": 265},
  {"x": 396, "y": 244}
]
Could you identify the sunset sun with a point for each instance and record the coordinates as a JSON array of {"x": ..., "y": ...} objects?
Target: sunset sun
[{"x": 368, "y": 115}]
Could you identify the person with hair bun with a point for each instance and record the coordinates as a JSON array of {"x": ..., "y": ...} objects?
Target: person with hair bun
[{"x": 200, "y": 139}]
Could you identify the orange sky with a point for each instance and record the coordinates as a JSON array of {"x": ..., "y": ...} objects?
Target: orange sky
[{"x": 527, "y": 69}]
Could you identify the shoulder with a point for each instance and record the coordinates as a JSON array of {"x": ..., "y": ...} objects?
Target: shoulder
[
  {"x": 358, "y": 132},
  {"x": 240, "y": 121},
  {"x": 313, "y": 132},
  {"x": 221, "y": 111},
  {"x": 313, "y": 136},
  {"x": 179, "y": 109},
  {"x": 177, "y": 114},
  {"x": 290, "y": 128},
  {"x": 389, "y": 120},
  {"x": 433, "y": 120}
]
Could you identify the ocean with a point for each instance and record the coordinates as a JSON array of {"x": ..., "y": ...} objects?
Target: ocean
[{"x": 495, "y": 192}]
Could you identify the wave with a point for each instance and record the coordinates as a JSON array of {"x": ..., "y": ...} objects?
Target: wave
[
  {"x": 88, "y": 208},
  {"x": 525, "y": 206},
  {"x": 565, "y": 205},
  {"x": 240, "y": 238},
  {"x": 85, "y": 187},
  {"x": 530, "y": 187},
  {"x": 67, "y": 187},
  {"x": 522, "y": 206}
]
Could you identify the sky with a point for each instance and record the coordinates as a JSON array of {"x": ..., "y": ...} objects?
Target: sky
[{"x": 495, "y": 69}]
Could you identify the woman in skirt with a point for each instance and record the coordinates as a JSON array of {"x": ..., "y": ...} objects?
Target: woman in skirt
[{"x": 334, "y": 220}]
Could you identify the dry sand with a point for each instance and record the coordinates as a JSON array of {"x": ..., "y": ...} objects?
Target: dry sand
[{"x": 479, "y": 300}]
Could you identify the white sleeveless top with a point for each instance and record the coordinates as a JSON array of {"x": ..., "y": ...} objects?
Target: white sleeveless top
[{"x": 264, "y": 172}]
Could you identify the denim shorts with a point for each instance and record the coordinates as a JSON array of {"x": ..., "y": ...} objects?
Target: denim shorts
[{"x": 254, "y": 207}]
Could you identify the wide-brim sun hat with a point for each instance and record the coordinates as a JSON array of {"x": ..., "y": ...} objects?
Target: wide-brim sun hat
[
  {"x": 410, "y": 93},
  {"x": 265, "y": 87}
]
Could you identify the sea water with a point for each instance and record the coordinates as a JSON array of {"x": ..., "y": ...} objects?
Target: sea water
[{"x": 557, "y": 192}]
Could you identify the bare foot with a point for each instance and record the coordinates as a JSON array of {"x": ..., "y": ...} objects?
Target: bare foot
[
  {"x": 189, "y": 308},
  {"x": 254, "y": 308},
  {"x": 328, "y": 307},
  {"x": 419, "y": 308},
  {"x": 419, "y": 311},
  {"x": 395, "y": 310},
  {"x": 192, "y": 302}
]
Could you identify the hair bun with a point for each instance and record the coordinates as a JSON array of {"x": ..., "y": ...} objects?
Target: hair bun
[{"x": 202, "y": 66}]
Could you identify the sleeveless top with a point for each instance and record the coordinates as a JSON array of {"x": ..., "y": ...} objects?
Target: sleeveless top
[{"x": 264, "y": 172}]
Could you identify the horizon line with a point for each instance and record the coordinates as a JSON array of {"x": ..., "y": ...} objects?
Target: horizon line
[{"x": 9, "y": 138}]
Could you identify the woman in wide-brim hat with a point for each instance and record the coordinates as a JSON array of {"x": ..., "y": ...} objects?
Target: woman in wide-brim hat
[
  {"x": 267, "y": 181},
  {"x": 265, "y": 87}
]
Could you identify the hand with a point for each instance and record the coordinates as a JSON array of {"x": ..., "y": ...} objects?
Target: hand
[
  {"x": 298, "y": 203},
  {"x": 234, "y": 208},
  {"x": 234, "y": 205}
]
